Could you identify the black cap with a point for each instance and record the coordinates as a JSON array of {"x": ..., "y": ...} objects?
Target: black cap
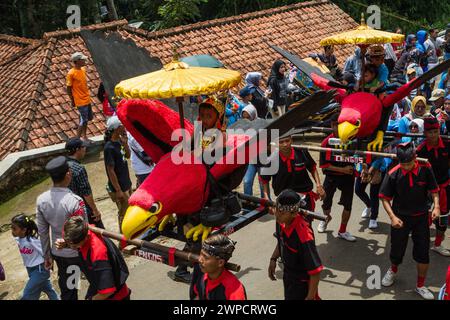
[
  {"x": 406, "y": 152},
  {"x": 57, "y": 166},
  {"x": 75, "y": 143},
  {"x": 288, "y": 200}
]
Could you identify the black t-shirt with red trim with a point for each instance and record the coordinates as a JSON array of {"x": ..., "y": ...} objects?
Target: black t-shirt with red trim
[
  {"x": 438, "y": 156},
  {"x": 409, "y": 189},
  {"x": 298, "y": 250},
  {"x": 328, "y": 159},
  {"x": 225, "y": 287},
  {"x": 292, "y": 172},
  {"x": 97, "y": 267}
]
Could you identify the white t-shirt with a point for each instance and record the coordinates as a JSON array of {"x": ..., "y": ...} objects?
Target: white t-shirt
[
  {"x": 139, "y": 167},
  {"x": 31, "y": 251}
]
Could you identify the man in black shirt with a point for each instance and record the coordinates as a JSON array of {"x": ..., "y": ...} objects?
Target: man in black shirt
[
  {"x": 437, "y": 151},
  {"x": 116, "y": 151},
  {"x": 339, "y": 174},
  {"x": 407, "y": 185},
  {"x": 297, "y": 249},
  {"x": 292, "y": 173},
  {"x": 76, "y": 149}
]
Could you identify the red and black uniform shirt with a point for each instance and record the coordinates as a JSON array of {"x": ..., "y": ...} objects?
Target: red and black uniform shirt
[
  {"x": 225, "y": 287},
  {"x": 327, "y": 159},
  {"x": 409, "y": 189},
  {"x": 293, "y": 173},
  {"x": 298, "y": 250},
  {"x": 98, "y": 270},
  {"x": 438, "y": 156}
]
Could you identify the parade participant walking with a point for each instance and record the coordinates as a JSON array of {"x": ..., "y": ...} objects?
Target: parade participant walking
[
  {"x": 338, "y": 175},
  {"x": 259, "y": 97},
  {"x": 54, "y": 207},
  {"x": 297, "y": 249},
  {"x": 278, "y": 83},
  {"x": 25, "y": 232},
  {"x": 436, "y": 150},
  {"x": 141, "y": 162},
  {"x": 215, "y": 282},
  {"x": 79, "y": 184},
  {"x": 116, "y": 151},
  {"x": 101, "y": 261},
  {"x": 407, "y": 185},
  {"x": 294, "y": 165},
  {"x": 78, "y": 91},
  {"x": 374, "y": 176}
]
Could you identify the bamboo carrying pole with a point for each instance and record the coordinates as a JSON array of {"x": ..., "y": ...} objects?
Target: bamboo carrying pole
[
  {"x": 182, "y": 255},
  {"x": 354, "y": 152},
  {"x": 271, "y": 203}
]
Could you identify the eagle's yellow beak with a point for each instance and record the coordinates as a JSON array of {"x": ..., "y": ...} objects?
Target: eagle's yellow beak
[
  {"x": 137, "y": 221},
  {"x": 347, "y": 131}
]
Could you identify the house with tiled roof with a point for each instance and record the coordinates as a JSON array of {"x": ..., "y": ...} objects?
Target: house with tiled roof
[{"x": 35, "y": 110}]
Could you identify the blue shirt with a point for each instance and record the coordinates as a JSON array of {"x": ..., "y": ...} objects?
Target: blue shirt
[{"x": 383, "y": 73}]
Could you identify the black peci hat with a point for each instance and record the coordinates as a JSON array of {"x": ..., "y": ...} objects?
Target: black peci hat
[{"x": 57, "y": 166}]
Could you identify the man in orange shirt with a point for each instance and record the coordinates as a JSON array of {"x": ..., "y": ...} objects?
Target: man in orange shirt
[{"x": 78, "y": 92}]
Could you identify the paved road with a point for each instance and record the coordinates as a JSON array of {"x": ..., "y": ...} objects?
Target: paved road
[{"x": 346, "y": 263}]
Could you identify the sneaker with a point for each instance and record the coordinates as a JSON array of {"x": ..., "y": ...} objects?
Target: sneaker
[
  {"x": 373, "y": 224},
  {"x": 322, "y": 227},
  {"x": 425, "y": 293},
  {"x": 389, "y": 278},
  {"x": 346, "y": 236},
  {"x": 366, "y": 213},
  {"x": 441, "y": 250}
]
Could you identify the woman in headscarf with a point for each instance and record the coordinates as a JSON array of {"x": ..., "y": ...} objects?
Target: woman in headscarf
[
  {"x": 259, "y": 97},
  {"x": 278, "y": 83},
  {"x": 418, "y": 110}
]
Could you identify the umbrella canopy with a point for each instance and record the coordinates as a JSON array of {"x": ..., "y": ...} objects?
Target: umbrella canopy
[
  {"x": 178, "y": 79},
  {"x": 202, "y": 60},
  {"x": 363, "y": 35}
]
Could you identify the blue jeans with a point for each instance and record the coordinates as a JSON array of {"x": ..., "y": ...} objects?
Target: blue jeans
[
  {"x": 39, "y": 281},
  {"x": 372, "y": 201},
  {"x": 248, "y": 180}
]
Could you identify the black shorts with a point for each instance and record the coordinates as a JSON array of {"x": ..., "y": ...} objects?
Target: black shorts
[
  {"x": 295, "y": 290},
  {"x": 419, "y": 228},
  {"x": 345, "y": 184}
]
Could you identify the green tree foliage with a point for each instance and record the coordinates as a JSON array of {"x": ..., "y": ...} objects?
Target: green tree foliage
[{"x": 31, "y": 18}]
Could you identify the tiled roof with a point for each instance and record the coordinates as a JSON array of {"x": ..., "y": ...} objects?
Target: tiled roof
[
  {"x": 11, "y": 45},
  {"x": 35, "y": 110}
]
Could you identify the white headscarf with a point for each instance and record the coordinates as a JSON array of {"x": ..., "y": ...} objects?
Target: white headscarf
[{"x": 251, "y": 110}]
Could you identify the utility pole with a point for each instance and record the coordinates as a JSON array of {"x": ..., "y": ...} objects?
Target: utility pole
[{"x": 112, "y": 10}]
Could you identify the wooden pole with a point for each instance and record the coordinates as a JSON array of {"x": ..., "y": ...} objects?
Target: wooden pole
[
  {"x": 182, "y": 255},
  {"x": 354, "y": 152},
  {"x": 270, "y": 203}
]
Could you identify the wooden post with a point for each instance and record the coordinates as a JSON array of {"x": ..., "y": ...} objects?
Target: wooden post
[{"x": 142, "y": 244}]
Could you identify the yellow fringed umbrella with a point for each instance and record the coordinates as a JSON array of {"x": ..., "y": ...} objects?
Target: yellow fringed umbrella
[
  {"x": 363, "y": 36},
  {"x": 177, "y": 80}
]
